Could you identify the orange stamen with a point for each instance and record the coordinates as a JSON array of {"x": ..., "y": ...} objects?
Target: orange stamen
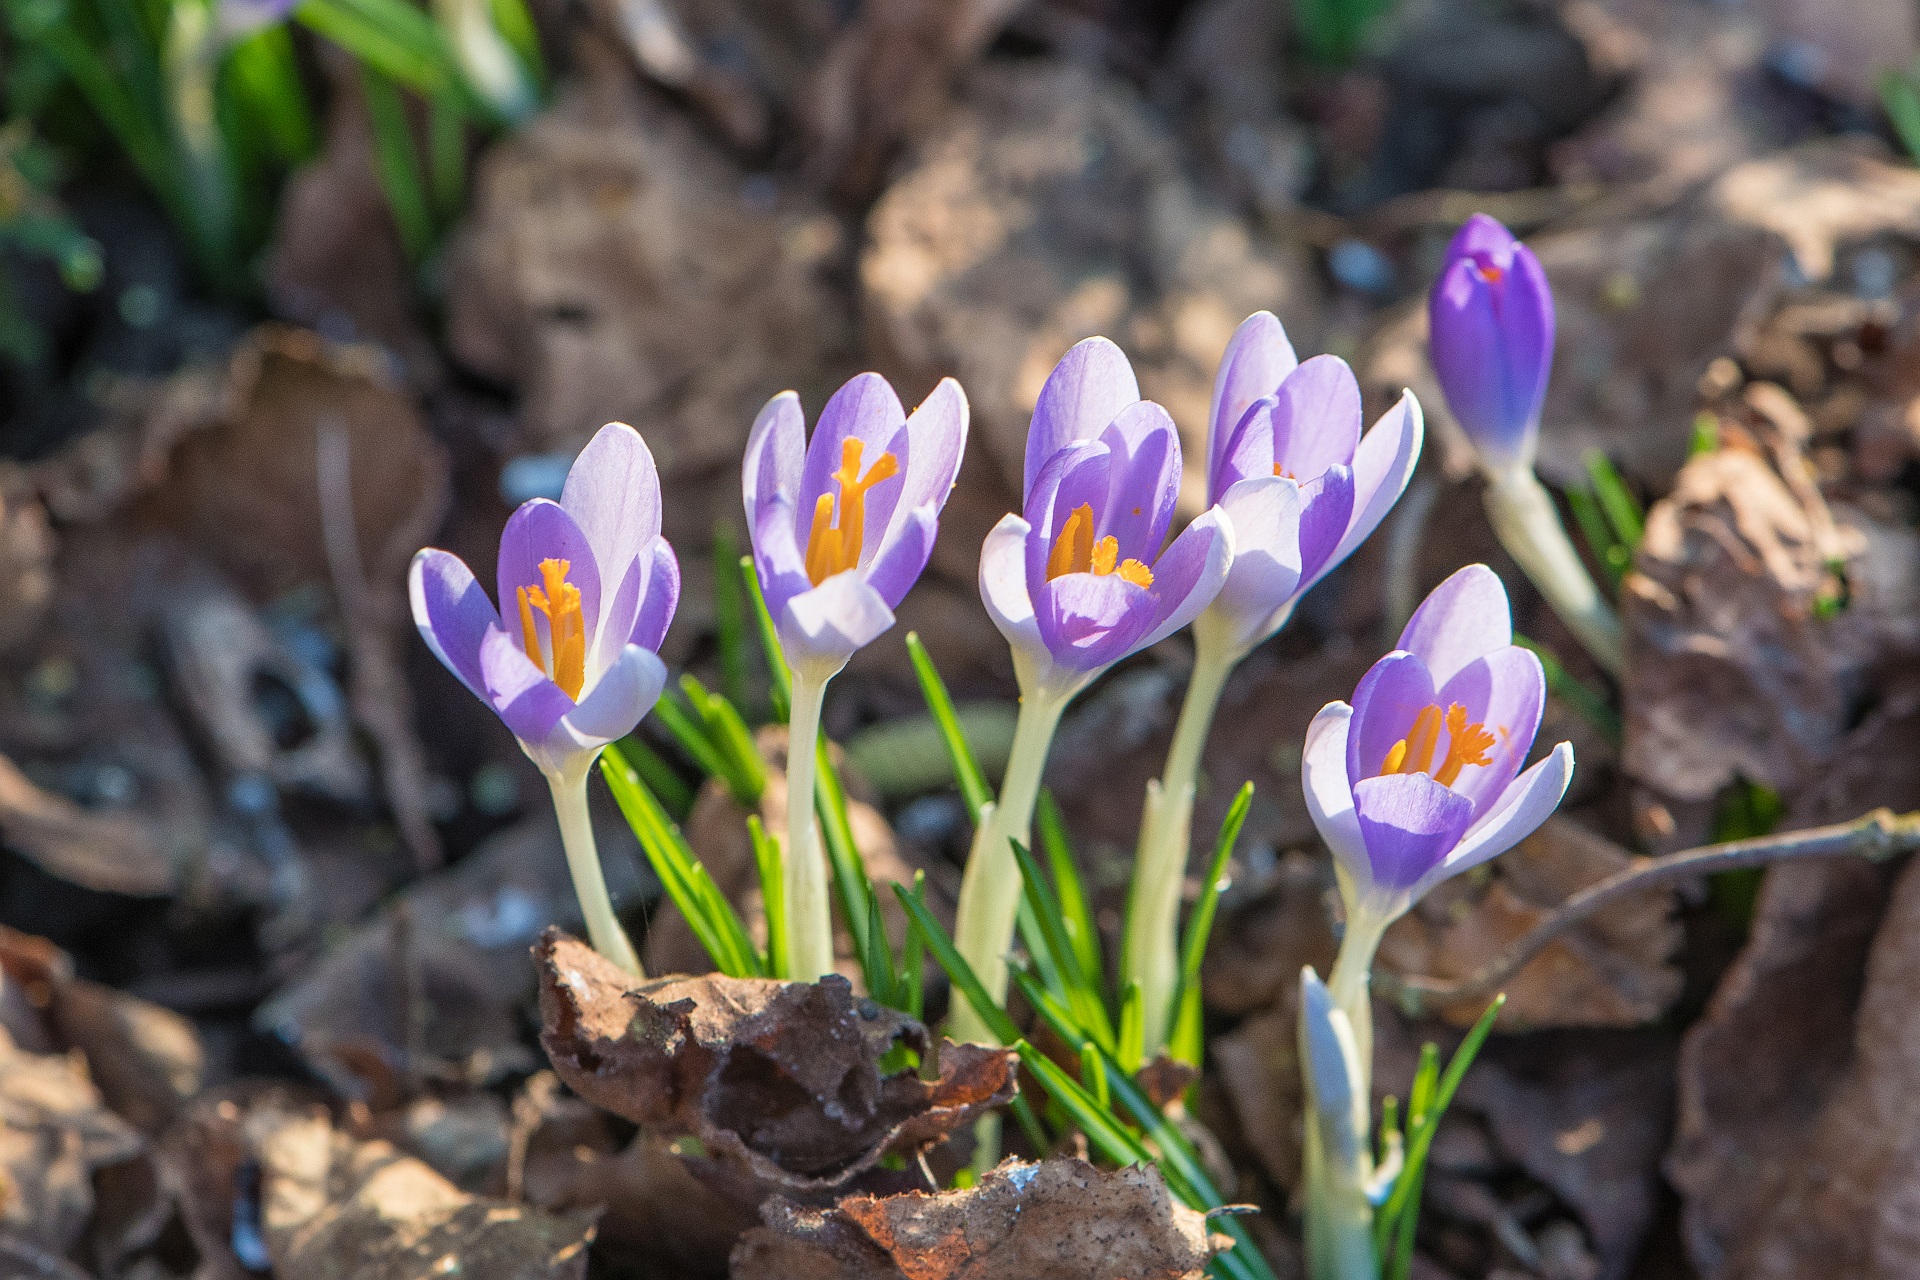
[
  {"x": 1075, "y": 551},
  {"x": 1466, "y": 744},
  {"x": 835, "y": 547},
  {"x": 565, "y": 658}
]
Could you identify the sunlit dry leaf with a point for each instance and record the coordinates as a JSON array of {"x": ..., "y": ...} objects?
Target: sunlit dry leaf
[
  {"x": 55, "y": 1135},
  {"x": 782, "y": 1077}
]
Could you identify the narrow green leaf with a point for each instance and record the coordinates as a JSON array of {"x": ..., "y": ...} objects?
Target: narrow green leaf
[
  {"x": 850, "y": 880},
  {"x": 397, "y": 163},
  {"x": 1193, "y": 944},
  {"x": 447, "y": 148},
  {"x": 1623, "y": 511},
  {"x": 729, "y": 611},
  {"x": 1081, "y": 991},
  {"x": 1131, "y": 1049},
  {"x": 913, "y": 956},
  {"x": 780, "y": 683},
  {"x": 659, "y": 776},
  {"x": 1094, "y": 1076},
  {"x": 690, "y": 731},
  {"x": 966, "y": 769},
  {"x": 1075, "y": 915},
  {"x": 1107, "y": 1135},
  {"x": 773, "y": 894},
  {"x": 959, "y": 972},
  {"x": 515, "y": 24},
  {"x": 266, "y": 76},
  {"x": 408, "y": 51},
  {"x": 876, "y": 960},
  {"x": 742, "y": 768},
  {"x": 1029, "y": 1125},
  {"x": 1598, "y": 535}
]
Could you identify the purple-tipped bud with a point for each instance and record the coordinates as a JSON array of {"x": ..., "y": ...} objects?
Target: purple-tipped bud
[{"x": 1491, "y": 336}]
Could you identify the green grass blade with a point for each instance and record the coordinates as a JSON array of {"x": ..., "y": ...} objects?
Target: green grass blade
[
  {"x": 408, "y": 52},
  {"x": 732, "y": 742},
  {"x": 707, "y": 911},
  {"x": 1075, "y": 915},
  {"x": 966, "y": 769},
  {"x": 1598, "y": 534},
  {"x": 1082, "y": 992},
  {"x": 1193, "y": 943},
  {"x": 780, "y": 683},
  {"x": 959, "y": 972},
  {"x": 447, "y": 150},
  {"x": 850, "y": 880},
  {"x": 773, "y": 894},
  {"x": 266, "y": 76},
  {"x": 398, "y": 163},
  {"x": 1623, "y": 510},
  {"x": 913, "y": 956},
  {"x": 515, "y": 23},
  {"x": 729, "y": 613},
  {"x": 1901, "y": 98},
  {"x": 659, "y": 776},
  {"x": 690, "y": 732},
  {"x": 1108, "y": 1136},
  {"x": 1131, "y": 1049}
]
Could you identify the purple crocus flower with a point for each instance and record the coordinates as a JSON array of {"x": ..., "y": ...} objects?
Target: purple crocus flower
[
  {"x": 843, "y": 524},
  {"x": 587, "y": 586},
  {"x": 1080, "y": 581},
  {"x": 1490, "y": 331},
  {"x": 237, "y": 19},
  {"x": 1420, "y": 778},
  {"x": 1287, "y": 463}
]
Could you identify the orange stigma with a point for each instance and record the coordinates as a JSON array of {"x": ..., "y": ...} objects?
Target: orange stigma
[
  {"x": 566, "y": 664},
  {"x": 1491, "y": 273},
  {"x": 1075, "y": 551},
  {"x": 834, "y": 547},
  {"x": 1466, "y": 744}
]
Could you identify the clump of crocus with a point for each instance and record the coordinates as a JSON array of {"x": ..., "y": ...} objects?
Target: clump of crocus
[
  {"x": 1419, "y": 780},
  {"x": 1302, "y": 488},
  {"x": 841, "y": 525},
  {"x": 1075, "y": 584},
  {"x": 1490, "y": 324},
  {"x": 587, "y": 587}
]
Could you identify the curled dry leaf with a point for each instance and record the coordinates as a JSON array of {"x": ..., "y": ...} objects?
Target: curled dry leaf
[
  {"x": 1737, "y": 668},
  {"x": 783, "y": 1078},
  {"x": 1613, "y": 970},
  {"x": 1060, "y": 1219}
]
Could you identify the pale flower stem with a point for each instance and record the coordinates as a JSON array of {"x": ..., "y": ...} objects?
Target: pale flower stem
[
  {"x": 1528, "y": 526},
  {"x": 990, "y": 888},
  {"x": 583, "y": 860},
  {"x": 809, "y": 915},
  {"x": 1150, "y": 953},
  {"x": 1339, "y": 1217}
]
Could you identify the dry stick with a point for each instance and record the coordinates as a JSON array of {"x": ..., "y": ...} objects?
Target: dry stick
[{"x": 1879, "y": 835}]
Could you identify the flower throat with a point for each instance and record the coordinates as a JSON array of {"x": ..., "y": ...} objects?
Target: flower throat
[
  {"x": 1075, "y": 551},
  {"x": 566, "y": 661},
  {"x": 1466, "y": 745},
  {"x": 834, "y": 546}
]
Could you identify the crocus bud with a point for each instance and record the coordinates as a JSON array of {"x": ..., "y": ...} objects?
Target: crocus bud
[{"x": 1491, "y": 336}]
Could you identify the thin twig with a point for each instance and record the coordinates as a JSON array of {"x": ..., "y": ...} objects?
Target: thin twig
[{"x": 1879, "y": 835}]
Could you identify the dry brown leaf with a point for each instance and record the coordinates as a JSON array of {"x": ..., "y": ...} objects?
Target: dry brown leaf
[
  {"x": 1821, "y": 196},
  {"x": 1844, "y": 46},
  {"x": 1613, "y": 970},
  {"x": 1046, "y": 207},
  {"x": 1058, "y": 1220},
  {"x": 56, "y": 1135},
  {"x": 783, "y": 1078},
  {"x": 107, "y": 852}
]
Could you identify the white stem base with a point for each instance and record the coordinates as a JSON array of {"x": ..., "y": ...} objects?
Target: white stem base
[
  {"x": 804, "y": 869},
  {"x": 583, "y": 861}
]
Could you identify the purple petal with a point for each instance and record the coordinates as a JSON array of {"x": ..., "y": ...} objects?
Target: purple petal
[
  {"x": 1528, "y": 801},
  {"x": 1143, "y": 480},
  {"x": 1089, "y": 621},
  {"x": 651, "y": 619},
  {"x": 1257, "y": 360},
  {"x": 452, "y": 613},
  {"x": 1087, "y": 390},
  {"x": 1505, "y": 691},
  {"x": 776, "y": 454},
  {"x": 1316, "y": 418},
  {"x": 625, "y": 693},
  {"x": 776, "y": 555},
  {"x": 1325, "y": 515},
  {"x": 622, "y": 608},
  {"x": 542, "y": 530},
  {"x": 827, "y": 624},
  {"x": 1265, "y": 514},
  {"x": 865, "y": 408},
  {"x": 1464, "y": 618},
  {"x": 934, "y": 441},
  {"x": 1490, "y": 321},
  {"x": 1382, "y": 466},
  {"x": 1077, "y": 475},
  {"x": 1189, "y": 574},
  {"x": 1323, "y": 777},
  {"x": 1248, "y": 452},
  {"x": 520, "y": 692},
  {"x": 1410, "y": 824},
  {"x": 1003, "y": 584},
  {"x": 1394, "y": 691},
  {"x": 613, "y": 494},
  {"x": 899, "y": 562}
]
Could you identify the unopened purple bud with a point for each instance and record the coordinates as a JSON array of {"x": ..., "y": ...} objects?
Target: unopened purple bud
[{"x": 1491, "y": 336}]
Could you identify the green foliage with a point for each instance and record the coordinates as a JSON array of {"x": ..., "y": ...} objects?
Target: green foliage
[
  {"x": 33, "y": 223},
  {"x": 1900, "y": 95},
  {"x": 1335, "y": 32},
  {"x": 1610, "y": 517},
  {"x": 1394, "y": 1223}
]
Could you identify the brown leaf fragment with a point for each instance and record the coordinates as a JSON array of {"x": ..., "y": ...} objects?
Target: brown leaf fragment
[
  {"x": 109, "y": 853},
  {"x": 781, "y": 1077},
  {"x": 334, "y": 1208},
  {"x": 1058, "y": 1220},
  {"x": 55, "y": 1135},
  {"x": 1613, "y": 970}
]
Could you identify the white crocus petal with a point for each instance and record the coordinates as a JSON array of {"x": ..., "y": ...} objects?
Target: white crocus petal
[
  {"x": 1264, "y": 512},
  {"x": 1323, "y": 777},
  {"x": 1382, "y": 467},
  {"x": 824, "y": 626}
]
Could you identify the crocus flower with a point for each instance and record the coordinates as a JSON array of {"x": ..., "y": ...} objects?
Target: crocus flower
[
  {"x": 843, "y": 524},
  {"x": 587, "y": 587},
  {"x": 1491, "y": 336},
  {"x": 237, "y": 19},
  {"x": 1287, "y": 463},
  {"x": 1420, "y": 778},
  {"x": 1080, "y": 581}
]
